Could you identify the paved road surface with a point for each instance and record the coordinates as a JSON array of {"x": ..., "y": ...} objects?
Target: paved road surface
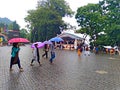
[{"x": 69, "y": 72}]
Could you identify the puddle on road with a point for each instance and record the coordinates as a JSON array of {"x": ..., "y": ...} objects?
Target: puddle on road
[
  {"x": 112, "y": 58},
  {"x": 101, "y": 72}
]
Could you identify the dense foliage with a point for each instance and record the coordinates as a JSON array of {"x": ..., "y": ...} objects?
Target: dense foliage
[
  {"x": 101, "y": 22},
  {"x": 46, "y": 21}
]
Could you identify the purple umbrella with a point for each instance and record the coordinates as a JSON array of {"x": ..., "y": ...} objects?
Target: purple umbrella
[
  {"x": 47, "y": 42},
  {"x": 40, "y": 45}
]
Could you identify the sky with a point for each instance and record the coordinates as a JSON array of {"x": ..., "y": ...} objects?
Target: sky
[{"x": 16, "y": 10}]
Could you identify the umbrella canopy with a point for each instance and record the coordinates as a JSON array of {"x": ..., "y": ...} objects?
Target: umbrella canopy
[
  {"x": 56, "y": 39},
  {"x": 47, "y": 42},
  {"x": 109, "y": 47},
  {"x": 17, "y": 40},
  {"x": 40, "y": 45}
]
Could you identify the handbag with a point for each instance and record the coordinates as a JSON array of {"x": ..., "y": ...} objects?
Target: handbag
[{"x": 15, "y": 59}]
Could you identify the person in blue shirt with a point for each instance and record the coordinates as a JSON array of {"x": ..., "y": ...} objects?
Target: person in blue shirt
[
  {"x": 96, "y": 50},
  {"x": 15, "y": 57},
  {"x": 52, "y": 51}
]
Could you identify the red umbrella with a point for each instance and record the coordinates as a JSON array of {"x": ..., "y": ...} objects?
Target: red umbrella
[{"x": 17, "y": 40}]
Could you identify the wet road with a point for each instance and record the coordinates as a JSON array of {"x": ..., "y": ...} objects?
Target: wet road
[{"x": 69, "y": 71}]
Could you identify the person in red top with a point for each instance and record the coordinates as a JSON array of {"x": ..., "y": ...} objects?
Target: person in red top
[{"x": 112, "y": 51}]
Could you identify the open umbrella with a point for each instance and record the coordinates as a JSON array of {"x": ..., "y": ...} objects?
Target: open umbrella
[
  {"x": 109, "y": 47},
  {"x": 17, "y": 40},
  {"x": 47, "y": 42},
  {"x": 56, "y": 39},
  {"x": 40, "y": 45}
]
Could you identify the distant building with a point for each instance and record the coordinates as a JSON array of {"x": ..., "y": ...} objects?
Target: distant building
[
  {"x": 69, "y": 36},
  {"x": 6, "y": 36},
  {"x": 72, "y": 39},
  {"x": 13, "y": 34}
]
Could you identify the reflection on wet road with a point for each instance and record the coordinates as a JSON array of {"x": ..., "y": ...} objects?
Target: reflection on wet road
[{"x": 69, "y": 71}]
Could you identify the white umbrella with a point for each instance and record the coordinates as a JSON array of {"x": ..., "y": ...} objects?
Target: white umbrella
[
  {"x": 47, "y": 42},
  {"x": 109, "y": 47}
]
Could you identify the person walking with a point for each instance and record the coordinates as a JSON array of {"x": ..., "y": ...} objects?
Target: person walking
[
  {"x": 87, "y": 51},
  {"x": 79, "y": 49},
  {"x": 52, "y": 48},
  {"x": 15, "y": 56},
  {"x": 112, "y": 51},
  {"x": 36, "y": 56},
  {"x": 96, "y": 50},
  {"x": 46, "y": 49}
]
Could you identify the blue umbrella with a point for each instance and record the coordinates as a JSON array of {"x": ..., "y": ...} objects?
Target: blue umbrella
[{"x": 56, "y": 39}]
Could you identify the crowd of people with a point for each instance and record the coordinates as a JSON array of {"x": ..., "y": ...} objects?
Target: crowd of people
[
  {"x": 51, "y": 48},
  {"x": 36, "y": 56},
  {"x": 96, "y": 50}
]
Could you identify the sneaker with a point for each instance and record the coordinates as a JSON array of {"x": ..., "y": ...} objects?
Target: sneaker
[
  {"x": 51, "y": 62},
  {"x": 31, "y": 64},
  {"x": 40, "y": 64},
  {"x": 21, "y": 70}
]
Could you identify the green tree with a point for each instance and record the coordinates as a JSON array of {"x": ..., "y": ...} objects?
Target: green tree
[
  {"x": 45, "y": 24},
  {"x": 102, "y": 17},
  {"x": 14, "y": 26},
  {"x": 1, "y": 27},
  {"x": 23, "y": 33},
  {"x": 59, "y": 6},
  {"x": 46, "y": 21},
  {"x": 111, "y": 9},
  {"x": 91, "y": 20}
]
